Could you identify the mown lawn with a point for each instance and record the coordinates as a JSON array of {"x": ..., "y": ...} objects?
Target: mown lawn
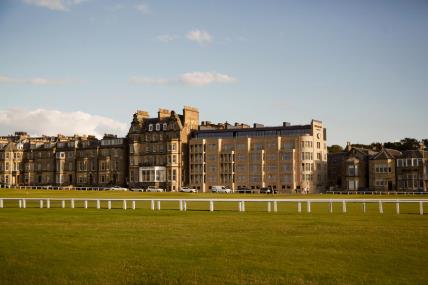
[{"x": 89, "y": 246}]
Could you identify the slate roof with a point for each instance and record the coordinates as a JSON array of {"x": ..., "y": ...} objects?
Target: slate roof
[{"x": 387, "y": 153}]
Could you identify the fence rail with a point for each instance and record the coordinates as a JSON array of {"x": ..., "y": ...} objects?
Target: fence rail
[
  {"x": 183, "y": 204},
  {"x": 376, "y": 193}
]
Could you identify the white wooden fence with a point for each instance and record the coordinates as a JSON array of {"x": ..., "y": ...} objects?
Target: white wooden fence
[{"x": 183, "y": 204}]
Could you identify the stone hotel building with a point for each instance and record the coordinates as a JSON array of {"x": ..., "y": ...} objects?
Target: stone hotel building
[
  {"x": 158, "y": 148},
  {"x": 286, "y": 158}
]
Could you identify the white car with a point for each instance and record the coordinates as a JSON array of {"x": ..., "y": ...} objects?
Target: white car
[
  {"x": 220, "y": 189},
  {"x": 188, "y": 190},
  {"x": 154, "y": 189},
  {"x": 118, "y": 188},
  {"x": 137, "y": 189}
]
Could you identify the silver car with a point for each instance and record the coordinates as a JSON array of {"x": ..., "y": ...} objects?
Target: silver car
[{"x": 188, "y": 190}]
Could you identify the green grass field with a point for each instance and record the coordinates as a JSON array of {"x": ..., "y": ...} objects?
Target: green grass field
[{"x": 89, "y": 246}]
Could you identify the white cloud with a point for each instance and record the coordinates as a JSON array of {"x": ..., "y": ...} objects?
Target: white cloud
[
  {"x": 190, "y": 78},
  {"x": 205, "y": 78},
  {"x": 166, "y": 38},
  {"x": 199, "y": 36},
  {"x": 32, "y": 81},
  {"x": 53, "y": 122},
  {"x": 56, "y": 5},
  {"x": 143, "y": 8}
]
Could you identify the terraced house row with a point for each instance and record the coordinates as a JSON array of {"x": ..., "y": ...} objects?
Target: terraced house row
[
  {"x": 173, "y": 150},
  {"x": 61, "y": 160},
  {"x": 359, "y": 169}
]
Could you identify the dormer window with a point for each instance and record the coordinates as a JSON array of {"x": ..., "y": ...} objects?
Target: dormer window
[
  {"x": 157, "y": 127},
  {"x": 165, "y": 126},
  {"x": 150, "y": 127}
]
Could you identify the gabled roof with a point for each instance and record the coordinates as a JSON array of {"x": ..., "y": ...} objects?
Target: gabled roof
[{"x": 386, "y": 153}]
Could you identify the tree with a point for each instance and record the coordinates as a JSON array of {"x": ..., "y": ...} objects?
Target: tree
[
  {"x": 334, "y": 148},
  {"x": 425, "y": 142},
  {"x": 409, "y": 144}
]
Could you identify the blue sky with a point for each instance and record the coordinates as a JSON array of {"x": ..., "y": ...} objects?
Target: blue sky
[{"x": 85, "y": 66}]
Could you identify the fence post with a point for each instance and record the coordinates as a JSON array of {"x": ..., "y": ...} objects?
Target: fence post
[
  {"x": 133, "y": 204},
  {"x": 344, "y": 206},
  {"x": 243, "y": 206},
  {"x": 331, "y": 206},
  {"x": 1, "y": 203},
  {"x": 124, "y": 204},
  {"x": 380, "y": 207},
  {"x": 275, "y": 206},
  {"x": 48, "y": 203},
  {"x": 397, "y": 207},
  {"x": 421, "y": 208},
  {"x": 63, "y": 204},
  {"x": 86, "y": 204},
  {"x": 24, "y": 203},
  {"x": 41, "y": 203},
  {"x": 240, "y": 206},
  {"x": 20, "y": 203},
  {"x": 72, "y": 203},
  {"x": 309, "y": 206},
  {"x": 180, "y": 203},
  {"x": 98, "y": 204},
  {"x": 159, "y": 205},
  {"x": 152, "y": 205},
  {"x": 364, "y": 207},
  {"x": 299, "y": 207},
  {"x": 269, "y": 207},
  {"x": 109, "y": 204},
  {"x": 211, "y": 206}
]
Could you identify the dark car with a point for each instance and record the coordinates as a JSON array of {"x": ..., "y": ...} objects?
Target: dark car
[
  {"x": 268, "y": 190},
  {"x": 244, "y": 190}
]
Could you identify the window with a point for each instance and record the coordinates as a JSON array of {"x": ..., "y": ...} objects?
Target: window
[
  {"x": 157, "y": 127},
  {"x": 174, "y": 175},
  {"x": 352, "y": 170},
  {"x": 286, "y": 156},
  {"x": 165, "y": 126},
  {"x": 306, "y": 144},
  {"x": 150, "y": 127},
  {"x": 307, "y": 156},
  {"x": 307, "y": 166},
  {"x": 174, "y": 159}
]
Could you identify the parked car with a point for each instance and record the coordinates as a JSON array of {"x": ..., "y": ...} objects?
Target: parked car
[
  {"x": 188, "y": 190},
  {"x": 117, "y": 188},
  {"x": 244, "y": 190},
  {"x": 220, "y": 189},
  {"x": 137, "y": 189},
  {"x": 154, "y": 189},
  {"x": 268, "y": 190}
]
